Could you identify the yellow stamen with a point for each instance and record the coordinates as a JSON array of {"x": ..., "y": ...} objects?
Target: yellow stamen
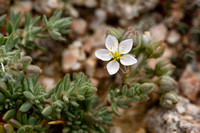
[
  {"x": 124, "y": 57},
  {"x": 117, "y": 44},
  {"x": 110, "y": 47},
  {"x": 113, "y": 44},
  {"x": 122, "y": 50},
  {"x": 107, "y": 52},
  {"x": 113, "y": 61},
  {"x": 122, "y": 46},
  {"x": 116, "y": 55}
]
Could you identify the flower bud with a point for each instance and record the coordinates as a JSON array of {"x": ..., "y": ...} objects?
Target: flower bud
[
  {"x": 91, "y": 90},
  {"x": 18, "y": 66},
  {"x": 32, "y": 71},
  {"x": 15, "y": 123},
  {"x": 166, "y": 83},
  {"x": 169, "y": 99},
  {"x": 164, "y": 67},
  {"x": 80, "y": 97},
  {"x": 131, "y": 34},
  {"x": 155, "y": 49},
  {"x": 146, "y": 88},
  {"x": 116, "y": 33},
  {"x": 25, "y": 61},
  {"x": 9, "y": 128},
  {"x": 188, "y": 56},
  {"x": 65, "y": 99}
]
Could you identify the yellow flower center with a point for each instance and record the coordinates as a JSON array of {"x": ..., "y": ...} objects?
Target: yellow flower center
[{"x": 116, "y": 55}]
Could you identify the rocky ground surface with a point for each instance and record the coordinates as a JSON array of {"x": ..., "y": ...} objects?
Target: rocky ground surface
[
  {"x": 175, "y": 22},
  {"x": 184, "y": 118}
]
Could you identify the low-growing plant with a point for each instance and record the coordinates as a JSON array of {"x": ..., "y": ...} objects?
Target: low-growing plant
[{"x": 25, "y": 106}]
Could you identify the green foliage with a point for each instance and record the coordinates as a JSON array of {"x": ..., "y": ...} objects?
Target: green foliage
[
  {"x": 118, "y": 97},
  {"x": 31, "y": 29},
  {"x": 14, "y": 22},
  {"x": 145, "y": 48},
  {"x": 56, "y": 26},
  {"x": 25, "y": 106},
  {"x": 2, "y": 18}
]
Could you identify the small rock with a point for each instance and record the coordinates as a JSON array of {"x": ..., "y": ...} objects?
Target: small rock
[
  {"x": 180, "y": 109},
  {"x": 77, "y": 44},
  {"x": 141, "y": 130},
  {"x": 115, "y": 130},
  {"x": 190, "y": 84},
  {"x": 160, "y": 120},
  {"x": 159, "y": 32},
  {"x": 48, "y": 82},
  {"x": 127, "y": 11},
  {"x": 22, "y": 6},
  {"x": 90, "y": 66},
  {"x": 69, "y": 61},
  {"x": 91, "y": 62},
  {"x": 99, "y": 36},
  {"x": 100, "y": 17},
  {"x": 173, "y": 37},
  {"x": 47, "y": 6},
  {"x": 87, "y": 3},
  {"x": 91, "y": 3},
  {"x": 97, "y": 40},
  {"x": 71, "y": 10},
  {"x": 88, "y": 44},
  {"x": 79, "y": 26},
  {"x": 72, "y": 57}
]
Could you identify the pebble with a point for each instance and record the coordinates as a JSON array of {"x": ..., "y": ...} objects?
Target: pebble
[
  {"x": 47, "y": 6},
  {"x": 73, "y": 56},
  {"x": 173, "y": 37},
  {"x": 115, "y": 130},
  {"x": 159, "y": 32},
  {"x": 189, "y": 84},
  {"x": 48, "y": 82},
  {"x": 160, "y": 120},
  {"x": 99, "y": 18},
  {"x": 91, "y": 66},
  {"x": 79, "y": 26},
  {"x": 72, "y": 11},
  {"x": 87, "y": 3}
]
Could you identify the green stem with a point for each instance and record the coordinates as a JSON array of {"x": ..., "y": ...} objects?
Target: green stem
[{"x": 133, "y": 73}]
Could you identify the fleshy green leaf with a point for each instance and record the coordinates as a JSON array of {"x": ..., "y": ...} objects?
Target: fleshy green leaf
[{"x": 26, "y": 106}]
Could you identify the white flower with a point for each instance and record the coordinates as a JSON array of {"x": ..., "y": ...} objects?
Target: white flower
[{"x": 117, "y": 52}]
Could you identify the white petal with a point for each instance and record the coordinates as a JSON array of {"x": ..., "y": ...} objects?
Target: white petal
[
  {"x": 111, "y": 43},
  {"x": 125, "y": 46},
  {"x": 103, "y": 54},
  {"x": 128, "y": 60},
  {"x": 112, "y": 67}
]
